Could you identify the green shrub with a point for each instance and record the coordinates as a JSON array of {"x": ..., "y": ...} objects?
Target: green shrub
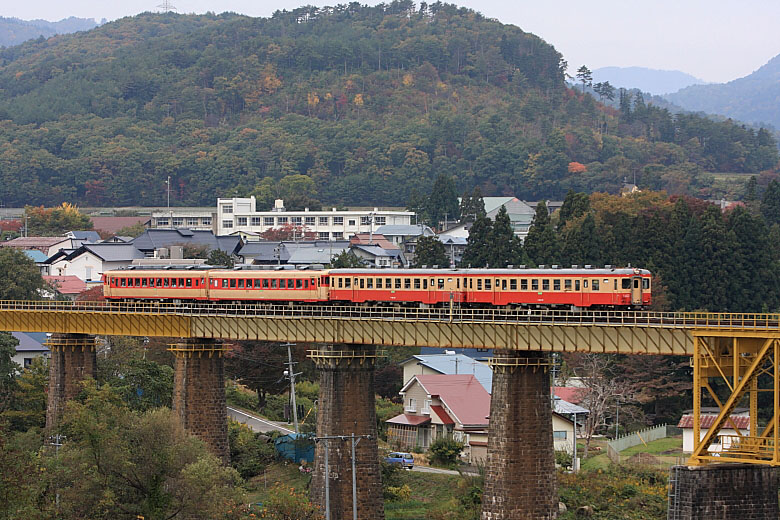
[
  {"x": 563, "y": 459},
  {"x": 285, "y": 503},
  {"x": 240, "y": 397},
  {"x": 401, "y": 493},
  {"x": 249, "y": 451},
  {"x": 445, "y": 450}
]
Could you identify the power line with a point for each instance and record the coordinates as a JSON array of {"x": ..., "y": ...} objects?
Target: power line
[{"x": 166, "y": 7}]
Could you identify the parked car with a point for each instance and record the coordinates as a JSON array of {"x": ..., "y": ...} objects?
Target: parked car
[{"x": 405, "y": 460}]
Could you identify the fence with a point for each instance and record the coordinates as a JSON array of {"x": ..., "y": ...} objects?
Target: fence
[{"x": 634, "y": 439}]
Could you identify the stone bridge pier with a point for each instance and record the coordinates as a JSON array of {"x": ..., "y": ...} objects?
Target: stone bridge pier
[
  {"x": 520, "y": 478},
  {"x": 346, "y": 406},
  {"x": 199, "y": 392},
  {"x": 73, "y": 359}
]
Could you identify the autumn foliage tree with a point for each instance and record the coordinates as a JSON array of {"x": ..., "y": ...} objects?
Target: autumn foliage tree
[
  {"x": 288, "y": 232},
  {"x": 55, "y": 221}
]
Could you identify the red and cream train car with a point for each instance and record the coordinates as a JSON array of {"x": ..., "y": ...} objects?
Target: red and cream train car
[{"x": 547, "y": 288}]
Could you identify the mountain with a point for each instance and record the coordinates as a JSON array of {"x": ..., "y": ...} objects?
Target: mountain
[
  {"x": 647, "y": 80},
  {"x": 754, "y": 98},
  {"x": 357, "y": 105},
  {"x": 14, "y": 31}
]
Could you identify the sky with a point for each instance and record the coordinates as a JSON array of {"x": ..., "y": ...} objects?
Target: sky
[{"x": 715, "y": 40}]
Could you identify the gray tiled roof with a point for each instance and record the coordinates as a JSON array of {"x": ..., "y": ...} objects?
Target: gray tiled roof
[
  {"x": 153, "y": 239},
  {"x": 111, "y": 252},
  {"x": 90, "y": 236},
  {"x": 30, "y": 341}
]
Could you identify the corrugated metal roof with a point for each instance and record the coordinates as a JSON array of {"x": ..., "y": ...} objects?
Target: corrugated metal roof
[
  {"x": 464, "y": 396},
  {"x": 111, "y": 251},
  {"x": 566, "y": 408},
  {"x": 741, "y": 421},
  {"x": 409, "y": 420},
  {"x": 36, "y": 256}
]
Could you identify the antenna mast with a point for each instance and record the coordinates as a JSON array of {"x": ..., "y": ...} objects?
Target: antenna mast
[{"x": 166, "y": 6}]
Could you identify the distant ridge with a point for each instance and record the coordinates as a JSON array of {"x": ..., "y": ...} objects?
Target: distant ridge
[
  {"x": 14, "y": 31},
  {"x": 752, "y": 98},
  {"x": 647, "y": 80}
]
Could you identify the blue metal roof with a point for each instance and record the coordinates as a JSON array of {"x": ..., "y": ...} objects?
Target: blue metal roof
[{"x": 37, "y": 256}]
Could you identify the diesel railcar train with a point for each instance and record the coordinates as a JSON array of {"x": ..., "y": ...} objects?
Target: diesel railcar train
[{"x": 570, "y": 288}]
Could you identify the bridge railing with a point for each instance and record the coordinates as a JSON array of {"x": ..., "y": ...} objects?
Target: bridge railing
[{"x": 456, "y": 314}]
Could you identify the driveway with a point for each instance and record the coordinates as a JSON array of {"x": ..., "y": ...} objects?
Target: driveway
[{"x": 257, "y": 424}]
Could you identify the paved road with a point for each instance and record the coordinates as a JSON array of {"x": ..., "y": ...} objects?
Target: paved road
[
  {"x": 428, "y": 469},
  {"x": 256, "y": 423}
]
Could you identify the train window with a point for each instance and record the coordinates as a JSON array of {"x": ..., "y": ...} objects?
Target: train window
[
  {"x": 181, "y": 282},
  {"x": 340, "y": 283},
  {"x": 241, "y": 283},
  {"x": 306, "y": 284},
  {"x": 369, "y": 283},
  {"x": 626, "y": 283},
  {"x": 299, "y": 284},
  {"x": 615, "y": 284},
  {"x": 159, "y": 282},
  {"x": 567, "y": 285},
  {"x": 249, "y": 284},
  {"x": 274, "y": 284},
  {"x": 488, "y": 285},
  {"x": 388, "y": 283},
  {"x": 503, "y": 284},
  {"x": 545, "y": 285},
  {"x": 645, "y": 283},
  {"x": 523, "y": 284},
  {"x": 636, "y": 283},
  {"x": 143, "y": 282},
  {"x": 416, "y": 283},
  {"x": 513, "y": 285},
  {"x": 407, "y": 283},
  {"x": 584, "y": 284},
  {"x": 286, "y": 283},
  {"x": 175, "y": 284},
  {"x": 441, "y": 283},
  {"x": 347, "y": 283},
  {"x": 534, "y": 285},
  {"x": 123, "y": 282},
  {"x": 166, "y": 282},
  {"x": 257, "y": 282},
  {"x": 457, "y": 283},
  {"x": 425, "y": 283},
  {"x": 397, "y": 283},
  {"x": 232, "y": 283},
  {"x": 594, "y": 285},
  {"x": 265, "y": 283},
  {"x": 479, "y": 284},
  {"x": 362, "y": 283},
  {"x": 189, "y": 282},
  {"x": 556, "y": 285}
]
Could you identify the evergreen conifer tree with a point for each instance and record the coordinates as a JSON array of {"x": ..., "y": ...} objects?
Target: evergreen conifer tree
[
  {"x": 770, "y": 204},
  {"x": 504, "y": 248},
  {"x": 477, "y": 253},
  {"x": 541, "y": 244}
]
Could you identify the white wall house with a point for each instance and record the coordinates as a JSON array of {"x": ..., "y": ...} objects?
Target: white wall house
[
  {"x": 240, "y": 214},
  {"x": 89, "y": 262},
  {"x": 740, "y": 417}
]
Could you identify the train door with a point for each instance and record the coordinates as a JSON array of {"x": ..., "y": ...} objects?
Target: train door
[{"x": 636, "y": 290}]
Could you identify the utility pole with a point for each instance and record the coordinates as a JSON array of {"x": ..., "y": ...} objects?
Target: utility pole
[
  {"x": 354, "y": 440},
  {"x": 290, "y": 374},
  {"x": 56, "y": 441}
]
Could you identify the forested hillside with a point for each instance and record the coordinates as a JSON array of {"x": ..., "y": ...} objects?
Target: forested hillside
[
  {"x": 14, "y": 31},
  {"x": 370, "y": 102},
  {"x": 752, "y": 98}
]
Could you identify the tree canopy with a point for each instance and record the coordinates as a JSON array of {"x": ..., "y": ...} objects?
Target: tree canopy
[{"x": 20, "y": 278}]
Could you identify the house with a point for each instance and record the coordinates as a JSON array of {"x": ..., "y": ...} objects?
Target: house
[
  {"x": 153, "y": 240},
  {"x": 740, "y": 418},
  {"x": 31, "y": 345},
  {"x": 288, "y": 252},
  {"x": 90, "y": 261},
  {"x": 453, "y": 364},
  {"x": 39, "y": 258},
  {"x": 112, "y": 225},
  {"x": 438, "y": 405},
  {"x": 68, "y": 286},
  {"x": 79, "y": 238},
  {"x": 400, "y": 234},
  {"x": 564, "y": 415},
  {"x": 46, "y": 245},
  {"x": 378, "y": 256}
]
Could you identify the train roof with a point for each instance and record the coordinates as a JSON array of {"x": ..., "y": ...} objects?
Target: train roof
[
  {"x": 519, "y": 271},
  {"x": 622, "y": 271}
]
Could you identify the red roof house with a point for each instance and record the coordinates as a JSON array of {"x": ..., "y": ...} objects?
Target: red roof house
[{"x": 69, "y": 286}]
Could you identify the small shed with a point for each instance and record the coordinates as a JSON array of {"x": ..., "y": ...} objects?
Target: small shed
[{"x": 295, "y": 447}]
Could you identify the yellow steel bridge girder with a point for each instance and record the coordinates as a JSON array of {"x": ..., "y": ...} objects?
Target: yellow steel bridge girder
[{"x": 98, "y": 323}]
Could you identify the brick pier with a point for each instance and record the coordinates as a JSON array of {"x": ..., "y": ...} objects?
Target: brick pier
[
  {"x": 73, "y": 359},
  {"x": 346, "y": 406},
  {"x": 199, "y": 392},
  {"x": 724, "y": 492},
  {"x": 520, "y": 479}
]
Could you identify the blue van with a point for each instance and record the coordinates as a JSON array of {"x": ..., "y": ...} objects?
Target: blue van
[{"x": 402, "y": 459}]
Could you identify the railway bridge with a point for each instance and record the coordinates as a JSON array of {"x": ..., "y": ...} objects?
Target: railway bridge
[{"x": 734, "y": 358}]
